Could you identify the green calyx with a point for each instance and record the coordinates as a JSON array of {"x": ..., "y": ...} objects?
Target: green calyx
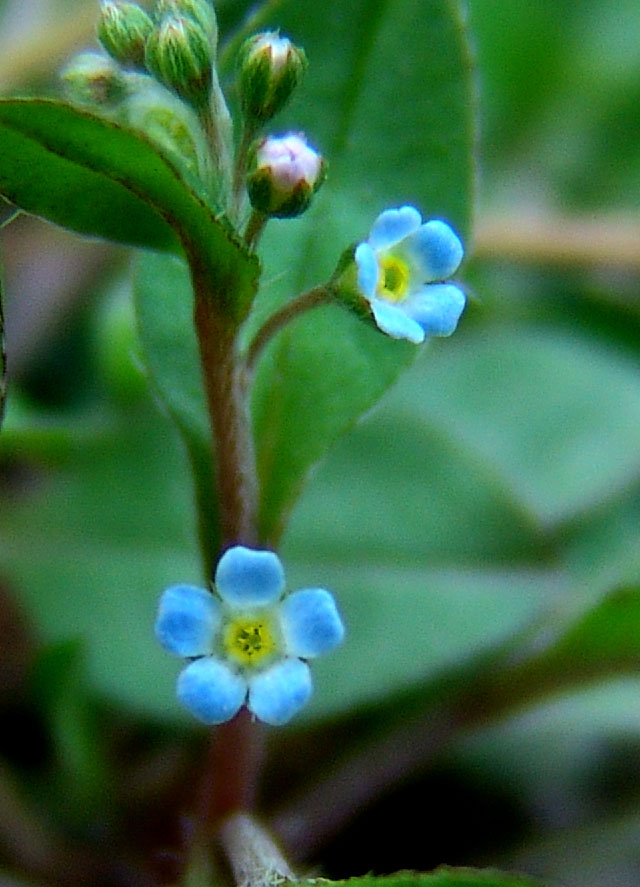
[
  {"x": 123, "y": 29},
  {"x": 268, "y": 199},
  {"x": 270, "y": 68},
  {"x": 344, "y": 285},
  {"x": 200, "y": 11},
  {"x": 179, "y": 54}
]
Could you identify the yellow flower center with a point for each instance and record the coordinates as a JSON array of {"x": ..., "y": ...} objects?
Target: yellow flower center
[
  {"x": 394, "y": 279},
  {"x": 249, "y": 641}
]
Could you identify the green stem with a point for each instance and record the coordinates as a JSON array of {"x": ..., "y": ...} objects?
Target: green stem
[
  {"x": 319, "y": 295},
  {"x": 218, "y": 129},
  {"x": 240, "y": 172},
  {"x": 255, "y": 227}
]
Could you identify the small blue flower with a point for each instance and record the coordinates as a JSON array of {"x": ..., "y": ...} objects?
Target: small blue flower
[
  {"x": 402, "y": 269},
  {"x": 248, "y": 641}
]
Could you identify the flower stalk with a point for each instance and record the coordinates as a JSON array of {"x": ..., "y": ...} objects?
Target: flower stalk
[{"x": 313, "y": 298}]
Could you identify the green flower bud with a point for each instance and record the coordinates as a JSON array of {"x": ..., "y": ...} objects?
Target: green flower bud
[
  {"x": 270, "y": 69},
  {"x": 179, "y": 54},
  {"x": 285, "y": 174},
  {"x": 201, "y": 11},
  {"x": 93, "y": 80},
  {"x": 123, "y": 29}
]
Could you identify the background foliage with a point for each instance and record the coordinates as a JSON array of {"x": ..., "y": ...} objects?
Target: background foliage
[{"x": 480, "y": 527}]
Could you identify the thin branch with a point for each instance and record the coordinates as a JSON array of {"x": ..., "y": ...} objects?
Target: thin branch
[
  {"x": 254, "y": 229},
  {"x": 313, "y": 298},
  {"x": 249, "y": 133}
]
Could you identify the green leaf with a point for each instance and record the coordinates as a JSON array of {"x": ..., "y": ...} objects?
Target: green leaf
[
  {"x": 556, "y": 414},
  {"x": 441, "y": 521},
  {"x": 93, "y": 176},
  {"x": 164, "y": 310},
  {"x": 3, "y": 358},
  {"x": 90, "y": 552},
  {"x": 602, "y": 642},
  {"x": 444, "y": 876},
  {"x": 400, "y": 131}
]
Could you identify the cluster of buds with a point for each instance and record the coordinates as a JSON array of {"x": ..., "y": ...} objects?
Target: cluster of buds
[
  {"x": 175, "y": 44},
  {"x": 158, "y": 74}
]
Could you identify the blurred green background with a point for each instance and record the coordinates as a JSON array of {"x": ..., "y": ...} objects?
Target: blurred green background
[{"x": 481, "y": 527}]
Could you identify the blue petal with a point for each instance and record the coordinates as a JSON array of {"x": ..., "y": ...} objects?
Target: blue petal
[
  {"x": 368, "y": 271},
  {"x": 187, "y": 621},
  {"x": 310, "y": 622},
  {"x": 437, "y": 308},
  {"x": 277, "y": 694},
  {"x": 393, "y": 225},
  {"x": 248, "y": 578},
  {"x": 211, "y": 691},
  {"x": 437, "y": 250},
  {"x": 394, "y": 321}
]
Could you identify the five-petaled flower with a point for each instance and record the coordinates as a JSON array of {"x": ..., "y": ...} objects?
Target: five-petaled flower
[
  {"x": 402, "y": 268},
  {"x": 248, "y": 641}
]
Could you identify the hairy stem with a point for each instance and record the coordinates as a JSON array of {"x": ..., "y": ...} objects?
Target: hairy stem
[
  {"x": 218, "y": 129},
  {"x": 234, "y": 757},
  {"x": 240, "y": 170},
  {"x": 230, "y": 771},
  {"x": 255, "y": 859},
  {"x": 319, "y": 295},
  {"x": 254, "y": 229},
  {"x": 234, "y": 456}
]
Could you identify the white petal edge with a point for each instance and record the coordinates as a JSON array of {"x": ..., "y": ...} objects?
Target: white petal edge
[
  {"x": 211, "y": 691},
  {"x": 368, "y": 271},
  {"x": 396, "y": 323}
]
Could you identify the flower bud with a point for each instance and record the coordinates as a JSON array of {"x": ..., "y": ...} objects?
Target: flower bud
[
  {"x": 201, "y": 11},
  {"x": 123, "y": 29},
  {"x": 94, "y": 80},
  {"x": 270, "y": 69},
  {"x": 286, "y": 173},
  {"x": 179, "y": 54}
]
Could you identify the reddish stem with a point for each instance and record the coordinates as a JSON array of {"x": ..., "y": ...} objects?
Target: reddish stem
[
  {"x": 233, "y": 762},
  {"x": 231, "y": 767},
  {"x": 234, "y": 457}
]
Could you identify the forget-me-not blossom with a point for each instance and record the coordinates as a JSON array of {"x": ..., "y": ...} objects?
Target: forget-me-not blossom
[
  {"x": 402, "y": 269},
  {"x": 248, "y": 640}
]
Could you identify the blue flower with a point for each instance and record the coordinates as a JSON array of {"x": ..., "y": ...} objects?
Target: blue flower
[
  {"x": 248, "y": 641},
  {"x": 402, "y": 271}
]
